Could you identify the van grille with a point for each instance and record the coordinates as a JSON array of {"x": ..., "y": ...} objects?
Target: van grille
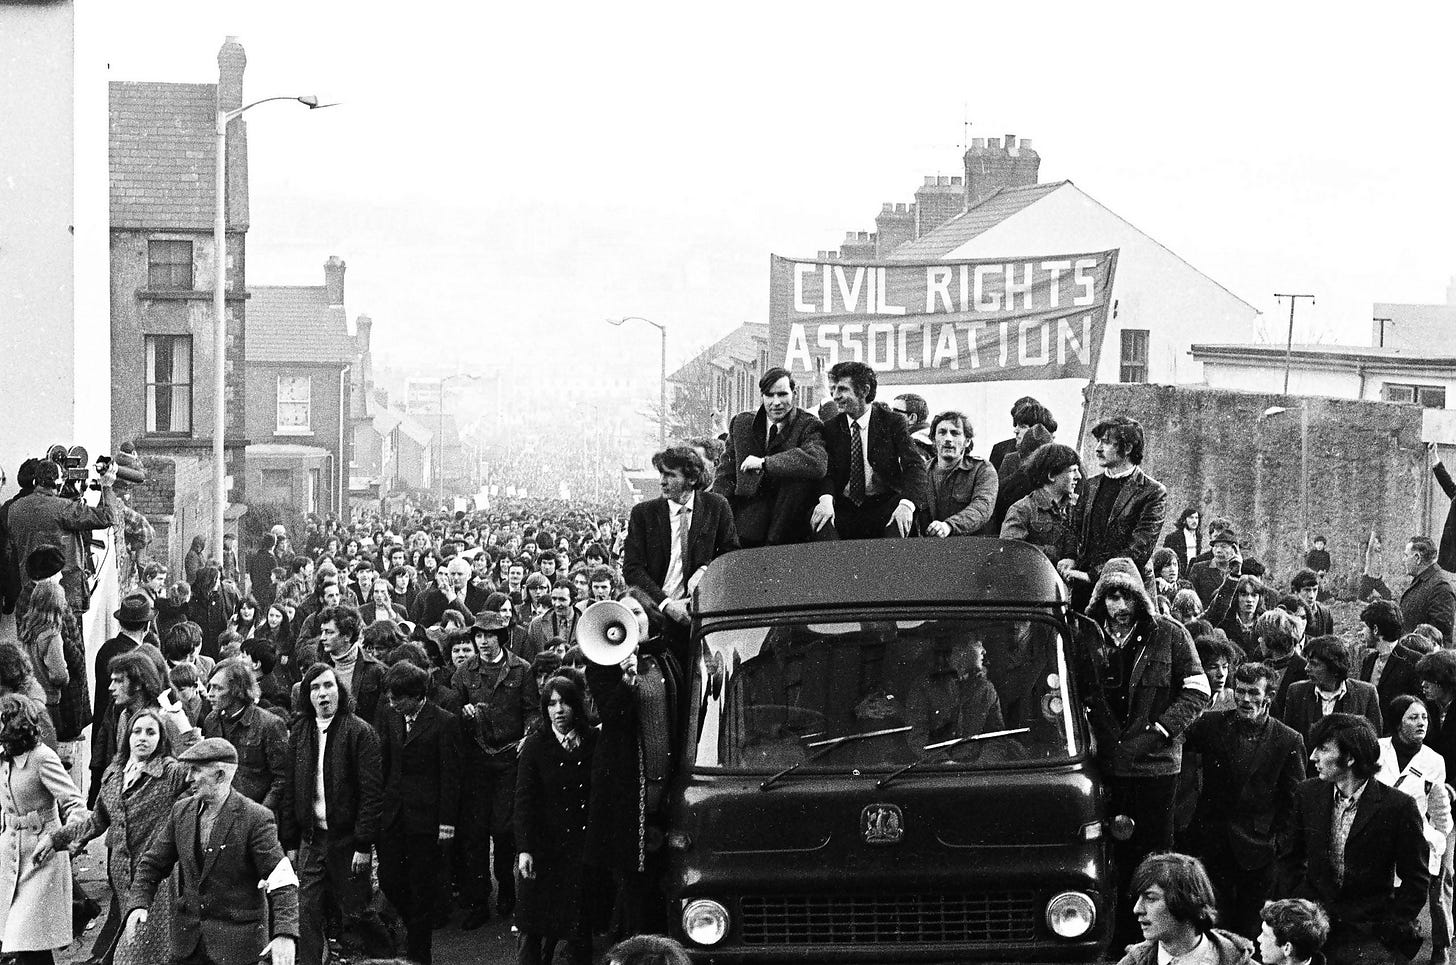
[{"x": 965, "y": 919}]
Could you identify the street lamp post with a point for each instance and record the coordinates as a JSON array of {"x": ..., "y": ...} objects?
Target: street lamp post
[
  {"x": 662, "y": 376},
  {"x": 219, "y": 311}
]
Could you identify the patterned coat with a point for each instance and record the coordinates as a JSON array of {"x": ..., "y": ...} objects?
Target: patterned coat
[
  {"x": 130, "y": 819},
  {"x": 36, "y": 796}
]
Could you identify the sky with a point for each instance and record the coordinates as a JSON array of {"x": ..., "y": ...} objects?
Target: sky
[{"x": 500, "y": 180}]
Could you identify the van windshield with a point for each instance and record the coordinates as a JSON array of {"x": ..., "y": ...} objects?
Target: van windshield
[{"x": 768, "y": 697}]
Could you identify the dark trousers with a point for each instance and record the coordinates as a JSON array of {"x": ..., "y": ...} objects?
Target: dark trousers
[
  {"x": 1149, "y": 802},
  {"x": 407, "y": 875},
  {"x": 541, "y": 950},
  {"x": 869, "y": 520},
  {"x": 1241, "y": 891},
  {"x": 325, "y": 862},
  {"x": 494, "y": 800}
]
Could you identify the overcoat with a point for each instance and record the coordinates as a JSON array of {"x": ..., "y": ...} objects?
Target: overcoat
[
  {"x": 772, "y": 506},
  {"x": 36, "y": 796},
  {"x": 552, "y": 786}
]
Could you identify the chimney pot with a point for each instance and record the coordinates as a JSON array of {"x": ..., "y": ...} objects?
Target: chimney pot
[
  {"x": 994, "y": 143},
  {"x": 900, "y": 209},
  {"x": 943, "y": 181},
  {"x": 849, "y": 236},
  {"x": 1026, "y": 144},
  {"x": 956, "y": 180},
  {"x": 886, "y": 208},
  {"x": 978, "y": 143},
  {"x": 1010, "y": 141},
  {"x": 863, "y": 236},
  {"x": 334, "y": 280},
  {"x": 929, "y": 181}
]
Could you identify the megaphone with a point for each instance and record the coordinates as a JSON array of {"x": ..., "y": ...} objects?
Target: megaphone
[{"x": 607, "y": 633}]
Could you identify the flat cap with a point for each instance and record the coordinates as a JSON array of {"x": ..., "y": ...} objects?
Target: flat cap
[{"x": 210, "y": 750}]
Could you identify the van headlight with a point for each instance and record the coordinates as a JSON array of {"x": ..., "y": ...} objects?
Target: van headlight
[
  {"x": 705, "y": 922},
  {"x": 1071, "y": 914}
]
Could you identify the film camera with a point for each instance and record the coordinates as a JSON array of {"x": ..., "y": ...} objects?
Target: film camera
[{"x": 76, "y": 471}]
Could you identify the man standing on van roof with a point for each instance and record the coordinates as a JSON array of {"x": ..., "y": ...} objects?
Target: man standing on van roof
[
  {"x": 772, "y": 465},
  {"x": 1152, "y": 688},
  {"x": 876, "y": 484}
]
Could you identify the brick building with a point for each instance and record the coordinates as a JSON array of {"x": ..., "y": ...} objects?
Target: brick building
[
  {"x": 162, "y": 163},
  {"x": 300, "y": 355}
]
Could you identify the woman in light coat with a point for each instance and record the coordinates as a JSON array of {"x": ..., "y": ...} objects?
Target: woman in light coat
[
  {"x": 36, "y": 798},
  {"x": 137, "y": 793},
  {"x": 1408, "y": 764}
]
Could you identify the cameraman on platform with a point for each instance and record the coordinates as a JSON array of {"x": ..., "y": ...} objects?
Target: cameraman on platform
[{"x": 44, "y": 516}]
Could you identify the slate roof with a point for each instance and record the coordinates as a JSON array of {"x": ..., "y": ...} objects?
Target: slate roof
[
  {"x": 1353, "y": 354},
  {"x": 741, "y": 344},
  {"x": 162, "y": 160},
  {"x": 973, "y": 221},
  {"x": 295, "y": 323}
]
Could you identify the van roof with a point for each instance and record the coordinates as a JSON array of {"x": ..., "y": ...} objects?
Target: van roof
[{"x": 961, "y": 569}]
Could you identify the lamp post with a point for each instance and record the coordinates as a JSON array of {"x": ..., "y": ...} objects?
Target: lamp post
[
  {"x": 219, "y": 311},
  {"x": 662, "y": 377}
]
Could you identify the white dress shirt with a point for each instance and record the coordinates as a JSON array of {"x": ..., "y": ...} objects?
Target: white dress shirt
[{"x": 675, "y": 583}]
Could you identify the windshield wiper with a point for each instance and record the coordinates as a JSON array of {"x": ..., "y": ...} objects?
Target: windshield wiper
[
  {"x": 948, "y": 745},
  {"x": 824, "y": 747}
]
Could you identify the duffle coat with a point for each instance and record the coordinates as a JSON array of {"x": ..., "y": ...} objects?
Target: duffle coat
[
  {"x": 36, "y": 796},
  {"x": 552, "y": 787}
]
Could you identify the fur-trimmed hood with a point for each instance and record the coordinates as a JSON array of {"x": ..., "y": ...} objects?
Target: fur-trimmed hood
[{"x": 1120, "y": 573}]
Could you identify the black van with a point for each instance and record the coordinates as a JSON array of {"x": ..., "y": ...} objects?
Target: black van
[{"x": 886, "y": 758}]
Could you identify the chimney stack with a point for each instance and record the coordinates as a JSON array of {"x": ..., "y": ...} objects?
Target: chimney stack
[
  {"x": 992, "y": 166},
  {"x": 231, "y": 62},
  {"x": 334, "y": 280}
]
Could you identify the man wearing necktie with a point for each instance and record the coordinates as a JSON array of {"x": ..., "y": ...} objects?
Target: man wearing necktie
[
  {"x": 876, "y": 483},
  {"x": 772, "y": 465},
  {"x": 672, "y": 539}
]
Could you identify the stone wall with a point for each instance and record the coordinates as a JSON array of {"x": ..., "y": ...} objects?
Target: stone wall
[{"x": 1313, "y": 466}]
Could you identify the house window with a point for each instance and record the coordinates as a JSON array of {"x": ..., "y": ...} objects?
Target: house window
[
  {"x": 1428, "y": 396},
  {"x": 1134, "y": 355},
  {"x": 295, "y": 416},
  {"x": 169, "y": 384},
  {"x": 169, "y": 264}
]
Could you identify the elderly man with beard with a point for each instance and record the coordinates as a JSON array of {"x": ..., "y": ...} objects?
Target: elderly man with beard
[
  {"x": 1251, "y": 764},
  {"x": 331, "y": 814},
  {"x": 773, "y": 459},
  {"x": 1152, "y": 688},
  {"x": 962, "y": 486}
]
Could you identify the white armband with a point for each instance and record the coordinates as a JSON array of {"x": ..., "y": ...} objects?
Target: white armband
[
  {"x": 1199, "y": 682},
  {"x": 282, "y": 876}
]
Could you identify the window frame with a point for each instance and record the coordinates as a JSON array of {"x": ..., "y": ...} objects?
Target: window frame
[
  {"x": 1416, "y": 394},
  {"x": 280, "y": 428},
  {"x": 150, "y": 385},
  {"x": 170, "y": 270},
  {"x": 1133, "y": 366}
]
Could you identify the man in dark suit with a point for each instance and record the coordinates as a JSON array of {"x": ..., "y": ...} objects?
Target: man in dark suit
[
  {"x": 1120, "y": 511},
  {"x": 1388, "y": 666},
  {"x": 1251, "y": 766},
  {"x": 1430, "y": 598},
  {"x": 773, "y": 460},
  {"x": 1329, "y": 690},
  {"x": 876, "y": 483},
  {"x": 1319, "y": 621},
  {"x": 223, "y": 845},
  {"x": 672, "y": 539},
  {"x": 420, "y": 756},
  {"x": 1348, "y": 839}
]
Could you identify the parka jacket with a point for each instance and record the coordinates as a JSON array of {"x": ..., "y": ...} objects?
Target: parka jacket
[{"x": 506, "y": 700}]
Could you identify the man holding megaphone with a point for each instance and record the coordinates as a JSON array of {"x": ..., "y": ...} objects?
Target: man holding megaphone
[{"x": 634, "y": 682}]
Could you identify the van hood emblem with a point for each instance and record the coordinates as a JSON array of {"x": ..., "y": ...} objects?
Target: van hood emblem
[{"x": 882, "y": 824}]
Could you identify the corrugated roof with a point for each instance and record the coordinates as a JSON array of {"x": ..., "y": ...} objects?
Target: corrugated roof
[
  {"x": 1352, "y": 353},
  {"x": 973, "y": 221},
  {"x": 295, "y": 323},
  {"x": 162, "y": 160}
]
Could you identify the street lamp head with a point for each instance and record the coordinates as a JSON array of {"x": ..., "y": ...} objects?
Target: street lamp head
[
  {"x": 617, "y": 321},
  {"x": 309, "y": 100},
  {"x": 1272, "y": 411}
]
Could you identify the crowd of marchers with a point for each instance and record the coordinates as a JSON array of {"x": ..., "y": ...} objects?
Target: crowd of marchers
[{"x": 404, "y": 700}]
